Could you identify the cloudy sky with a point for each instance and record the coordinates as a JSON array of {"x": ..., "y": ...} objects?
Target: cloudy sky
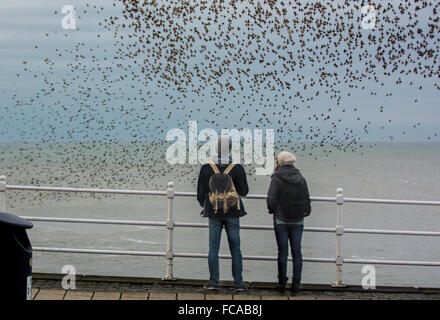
[{"x": 31, "y": 31}]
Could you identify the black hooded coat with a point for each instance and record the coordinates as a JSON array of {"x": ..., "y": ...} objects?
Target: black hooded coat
[{"x": 288, "y": 196}]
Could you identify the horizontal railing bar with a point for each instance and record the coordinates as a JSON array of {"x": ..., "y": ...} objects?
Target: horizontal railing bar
[
  {"x": 162, "y": 254},
  {"x": 250, "y": 257},
  {"x": 204, "y": 225},
  {"x": 250, "y": 227},
  {"x": 97, "y": 221},
  {"x": 253, "y": 196},
  {"x": 393, "y": 232},
  {"x": 245, "y": 257},
  {"x": 101, "y": 251},
  {"x": 156, "y": 223},
  {"x": 394, "y": 262},
  {"x": 388, "y": 201},
  {"x": 185, "y": 194},
  {"x": 193, "y": 194}
]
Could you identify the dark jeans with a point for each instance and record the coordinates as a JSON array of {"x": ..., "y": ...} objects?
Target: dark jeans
[
  {"x": 232, "y": 226},
  {"x": 285, "y": 233}
]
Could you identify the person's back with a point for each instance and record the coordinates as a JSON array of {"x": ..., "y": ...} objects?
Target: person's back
[
  {"x": 288, "y": 200},
  {"x": 291, "y": 201},
  {"x": 238, "y": 176},
  {"x": 222, "y": 210}
]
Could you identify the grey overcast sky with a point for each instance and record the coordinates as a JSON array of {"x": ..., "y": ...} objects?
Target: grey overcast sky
[{"x": 25, "y": 23}]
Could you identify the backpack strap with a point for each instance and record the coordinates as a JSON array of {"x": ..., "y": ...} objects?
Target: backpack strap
[
  {"x": 229, "y": 168},
  {"x": 214, "y": 167}
]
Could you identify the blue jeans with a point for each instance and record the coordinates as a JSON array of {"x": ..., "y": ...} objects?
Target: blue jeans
[
  {"x": 232, "y": 226},
  {"x": 285, "y": 233}
]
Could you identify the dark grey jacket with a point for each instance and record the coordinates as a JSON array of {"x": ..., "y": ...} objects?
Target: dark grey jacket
[{"x": 288, "y": 196}]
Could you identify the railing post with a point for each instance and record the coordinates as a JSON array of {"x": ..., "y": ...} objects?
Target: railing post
[
  {"x": 170, "y": 228},
  {"x": 3, "y": 193},
  {"x": 339, "y": 233}
]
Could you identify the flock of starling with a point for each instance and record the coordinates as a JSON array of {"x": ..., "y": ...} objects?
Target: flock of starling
[{"x": 228, "y": 64}]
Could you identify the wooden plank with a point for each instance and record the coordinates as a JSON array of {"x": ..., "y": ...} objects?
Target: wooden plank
[
  {"x": 190, "y": 296},
  {"x": 34, "y": 293},
  {"x": 134, "y": 296},
  {"x": 246, "y": 297},
  {"x": 162, "y": 296},
  {"x": 301, "y": 298},
  {"x": 46, "y": 294},
  {"x": 274, "y": 298},
  {"x": 218, "y": 297},
  {"x": 106, "y": 296},
  {"x": 78, "y": 295}
]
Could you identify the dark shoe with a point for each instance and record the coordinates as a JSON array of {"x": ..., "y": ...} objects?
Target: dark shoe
[
  {"x": 295, "y": 288},
  {"x": 282, "y": 284},
  {"x": 210, "y": 286},
  {"x": 241, "y": 288}
]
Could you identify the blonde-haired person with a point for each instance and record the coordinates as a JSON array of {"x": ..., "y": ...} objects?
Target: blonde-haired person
[{"x": 288, "y": 200}]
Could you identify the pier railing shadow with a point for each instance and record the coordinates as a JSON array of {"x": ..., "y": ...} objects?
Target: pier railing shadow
[{"x": 339, "y": 260}]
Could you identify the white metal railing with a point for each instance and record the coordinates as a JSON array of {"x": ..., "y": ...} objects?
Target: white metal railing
[{"x": 170, "y": 224}]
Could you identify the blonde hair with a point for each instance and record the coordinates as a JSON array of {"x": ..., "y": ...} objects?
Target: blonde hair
[{"x": 285, "y": 158}]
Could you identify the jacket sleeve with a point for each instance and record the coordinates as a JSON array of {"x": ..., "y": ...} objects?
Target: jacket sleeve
[
  {"x": 241, "y": 184},
  {"x": 307, "y": 197},
  {"x": 272, "y": 195},
  {"x": 202, "y": 190}
]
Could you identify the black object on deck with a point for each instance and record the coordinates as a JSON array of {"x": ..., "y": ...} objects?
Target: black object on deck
[{"x": 16, "y": 258}]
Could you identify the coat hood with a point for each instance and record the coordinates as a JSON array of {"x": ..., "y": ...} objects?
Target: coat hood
[{"x": 288, "y": 174}]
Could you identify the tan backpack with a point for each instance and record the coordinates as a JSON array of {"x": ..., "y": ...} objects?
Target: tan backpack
[{"x": 222, "y": 193}]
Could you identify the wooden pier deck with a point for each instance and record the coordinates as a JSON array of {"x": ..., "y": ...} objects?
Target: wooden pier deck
[{"x": 48, "y": 287}]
